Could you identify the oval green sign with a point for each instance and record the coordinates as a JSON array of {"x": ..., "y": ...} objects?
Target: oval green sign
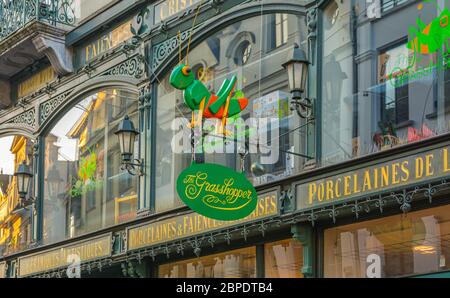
[{"x": 217, "y": 192}]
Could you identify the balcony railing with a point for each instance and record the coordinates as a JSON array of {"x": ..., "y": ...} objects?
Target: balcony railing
[{"x": 16, "y": 14}]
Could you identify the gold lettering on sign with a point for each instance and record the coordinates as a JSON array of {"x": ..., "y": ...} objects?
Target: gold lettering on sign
[
  {"x": 57, "y": 258},
  {"x": 169, "y": 8},
  {"x": 429, "y": 165},
  {"x": 196, "y": 185},
  {"x": 108, "y": 41},
  {"x": 193, "y": 223},
  {"x": 35, "y": 82}
]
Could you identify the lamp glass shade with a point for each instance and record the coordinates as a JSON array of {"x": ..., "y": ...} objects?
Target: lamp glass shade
[
  {"x": 126, "y": 141},
  {"x": 127, "y": 136},
  {"x": 297, "y": 74},
  {"x": 297, "y": 69},
  {"x": 23, "y": 176}
]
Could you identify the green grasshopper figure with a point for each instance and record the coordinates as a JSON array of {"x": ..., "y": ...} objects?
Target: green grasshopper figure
[{"x": 197, "y": 97}]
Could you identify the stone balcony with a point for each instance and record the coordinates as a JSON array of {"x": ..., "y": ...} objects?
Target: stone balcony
[{"x": 29, "y": 31}]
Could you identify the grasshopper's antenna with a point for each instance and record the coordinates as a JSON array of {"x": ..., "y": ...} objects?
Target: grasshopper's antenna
[
  {"x": 179, "y": 47},
  {"x": 192, "y": 29}
]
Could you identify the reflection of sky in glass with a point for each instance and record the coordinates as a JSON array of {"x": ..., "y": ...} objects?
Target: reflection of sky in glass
[
  {"x": 6, "y": 157},
  {"x": 68, "y": 147}
]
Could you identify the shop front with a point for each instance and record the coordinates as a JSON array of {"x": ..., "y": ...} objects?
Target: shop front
[{"x": 352, "y": 184}]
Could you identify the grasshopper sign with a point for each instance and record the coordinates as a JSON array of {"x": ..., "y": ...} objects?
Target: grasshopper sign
[{"x": 216, "y": 192}]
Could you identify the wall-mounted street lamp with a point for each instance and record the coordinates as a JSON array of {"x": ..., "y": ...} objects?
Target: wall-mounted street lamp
[
  {"x": 127, "y": 136},
  {"x": 24, "y": 176},
  {"x": 297, "y": 69}
]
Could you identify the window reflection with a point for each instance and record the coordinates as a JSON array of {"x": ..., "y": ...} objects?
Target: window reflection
[
  {"x": 84, "y": 188},
  {"x": 15, "y": 223},
  {"x": 384, "y": 93},
  {"x": 405, "y": 245},
  {"x": 239, "y": 263},
  {"x": 85, "y": 8}
]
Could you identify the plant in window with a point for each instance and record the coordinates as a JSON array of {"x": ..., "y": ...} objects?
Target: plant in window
[
  {"x": 387, "y": 136},
  {"x": 86, "y": 175}
]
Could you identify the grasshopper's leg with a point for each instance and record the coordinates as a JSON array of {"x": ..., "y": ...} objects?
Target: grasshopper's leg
[
  {"x": 222, "y": 129},
  {"x": 200, "y": 115},
  {"x": 192, "y": 124},
  {"x": 224, "y": 95},
  {"x": 200, "y": 112}
]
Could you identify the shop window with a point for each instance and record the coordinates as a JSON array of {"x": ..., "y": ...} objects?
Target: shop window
[
  {"x": 283, "y": 259},
  {"x": 260, "y": 78},
  {"x": 390, "y": 247},
  {"x": 337, "y": 103},
  {"x": 394, "y": 90},
  {"x": 239, "y": 263},
  {"x": 378, "y": 100},
  {"x": 92, "y": 192},
  {"x": 15, "y": 222}
]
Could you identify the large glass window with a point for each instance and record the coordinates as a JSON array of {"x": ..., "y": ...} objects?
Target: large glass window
[
  {"x": 394, "y": 94},
  {"x": 239, "y": 263},
  {"x": 84, "y": 187},
  {"x": 416, "y": 243},
  {"x": 15, "y": 222},
  {"x": 384, "y": 84},
  {"x": 337, "y": 104},
  {"x": 245, "y": 49}
]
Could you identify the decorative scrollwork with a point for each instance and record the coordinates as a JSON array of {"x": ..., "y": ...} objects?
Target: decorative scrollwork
[
  {"x": 27, "y": 118},
  {"x": 163, "y": 50},
  {"x": 15, "y": 15},
  {"x": 262, "y": 228},
  {"x": 196, "y": 245},
  {"x": 311, "y": 21},
  {"x": 166, "y": 250},
  {"x": 227, "y": 237},
  {"x": 312, "y": 217},
  {"x": 48, "y": 107},
  {"x": 333, "y": 213},
  {"x": 245, "y": 233},
  {"x": 286, "y": 200},
  {"x": 140, "y": 27},
  {"x": 131, "y": 67},
  {"x": 180, "y": 249},
  {"x": 212, "y": 240}
]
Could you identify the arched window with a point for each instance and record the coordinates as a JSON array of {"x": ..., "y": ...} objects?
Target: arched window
[
  {"x": 84, "y": 187},
  {"x": 15, "y": 221},
  {"x": 241, "y": 49}
]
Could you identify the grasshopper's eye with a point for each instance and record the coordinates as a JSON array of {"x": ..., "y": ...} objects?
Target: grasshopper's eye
[
  {"x": 443, "y": 21},
  {"x": 186, "y": 70}
]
